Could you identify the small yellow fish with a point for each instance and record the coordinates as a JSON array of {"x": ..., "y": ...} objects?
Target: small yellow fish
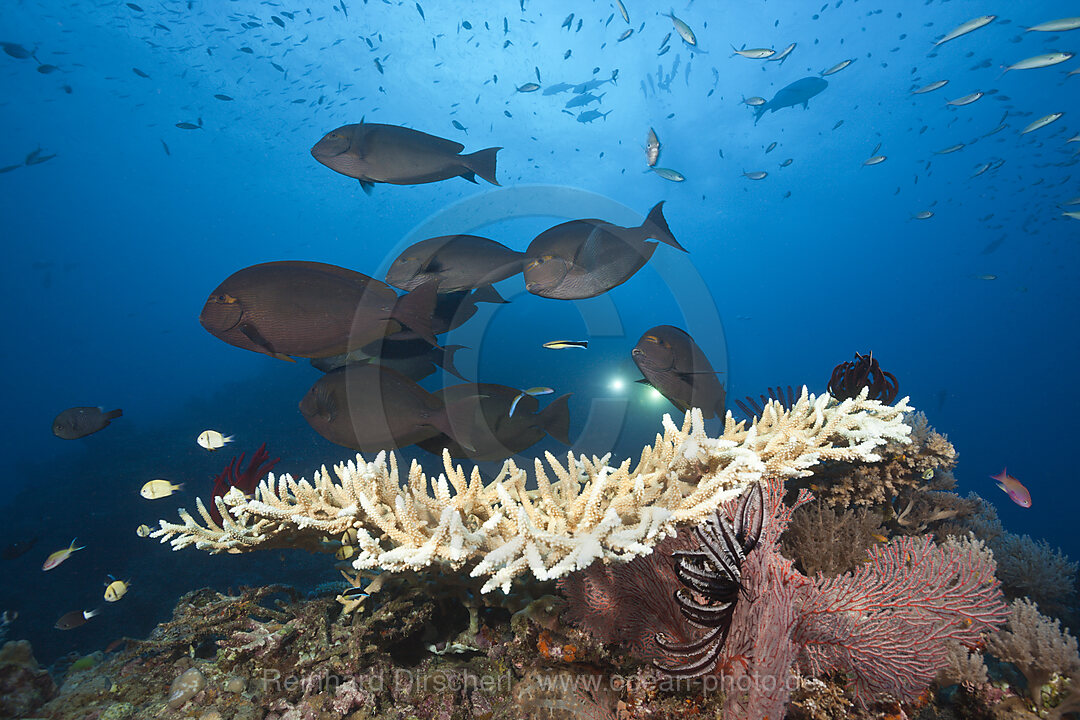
[
  {"x": 212, "y": 440},
  {"x": 879, "y": 537},
  {"x": 157, "y": 489},
  {"x": 116, "y": 589},
  {"x": 345, "y": 552},
  {"x": 566, "y": 344},
  {"x": 143, "y": 531},
  {"x": 60, "y": 556},
  {"x": 928, "y": 474}
]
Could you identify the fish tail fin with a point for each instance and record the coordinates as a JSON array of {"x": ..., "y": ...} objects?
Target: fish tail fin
[
  {"x": 91, "y": 613},
  {"x": 656, "y": 227},
  {"x": 488, "y": 294},
  {"x": 114, "y": 414},
  {"x": 180, "y": 486},
  {"x": 555, "y": 419},
  {"x": 482, "y": 162},
  {"x": 445, "y": 360},
  {"x": 230, "y": 438},
  {"x": 415, "y": 309},
  {"x": 72, "y": 548}
]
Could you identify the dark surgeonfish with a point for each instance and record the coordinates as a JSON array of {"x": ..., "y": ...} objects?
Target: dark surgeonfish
[
  {"x": 585, "y": 258},
  {"x": 673, "y": 363},
  {"x": 371, "y": 408},
  {"x": 480, "y": 415},
  {"x": 457, "y": 262},
  {"x": 79, "y": 422},
  {"x": 415, "y": 359},
  {"x": 374, "y": 153},
  {"x": 311, "y": 310},
  {"x": 797, "y": 93}
]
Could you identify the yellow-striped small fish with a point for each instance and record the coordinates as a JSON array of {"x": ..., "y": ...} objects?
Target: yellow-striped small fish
[{"x": 566, "y": 344}]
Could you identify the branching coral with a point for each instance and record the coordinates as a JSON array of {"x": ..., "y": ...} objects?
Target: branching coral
[
  {"x": 924, "y": 463},
  {"x": 1033, "y": 568},
  {"x": 1036, "y": 645},
  {"x": 590, "y": 510},
  {"x": 822, "y": 539}
]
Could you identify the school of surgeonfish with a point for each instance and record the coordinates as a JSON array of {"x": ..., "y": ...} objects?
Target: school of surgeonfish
[{"x": 374, "y": 340}]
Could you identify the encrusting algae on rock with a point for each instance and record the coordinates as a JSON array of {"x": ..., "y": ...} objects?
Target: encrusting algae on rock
[{"x": 591, "y": 510}]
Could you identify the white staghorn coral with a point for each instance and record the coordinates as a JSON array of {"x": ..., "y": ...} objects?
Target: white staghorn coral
[{"x": 590, "y": 511}]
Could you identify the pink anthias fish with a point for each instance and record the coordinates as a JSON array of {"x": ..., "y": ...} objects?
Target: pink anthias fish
[
  {"x": 1013, "y": 488},
  {"x": 59, "y": 556}
]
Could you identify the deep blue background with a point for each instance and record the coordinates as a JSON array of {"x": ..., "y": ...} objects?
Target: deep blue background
[{"x": 112, "y": 246}]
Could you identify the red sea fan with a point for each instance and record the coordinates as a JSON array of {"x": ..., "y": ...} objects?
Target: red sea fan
[
  {"x": 887, "y": 623},
  {"x": 246, "y": 481}
]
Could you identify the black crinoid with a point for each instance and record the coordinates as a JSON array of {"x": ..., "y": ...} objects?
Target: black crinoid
[
  {"x": 849, "y": 378},
  {"x": 754, "y": 408},
  {"x": 712, "y": 576}
]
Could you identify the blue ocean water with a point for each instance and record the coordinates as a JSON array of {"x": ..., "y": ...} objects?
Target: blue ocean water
[{"x": 114, "y": 244}]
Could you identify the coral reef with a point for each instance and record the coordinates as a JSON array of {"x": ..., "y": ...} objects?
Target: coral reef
[
  {"x": 1036, "y": 645},
  {"x": 830, "y": 541},
  {"x": 924, "y": 463},
  {"x": 1034, "y": 569},
  {"x": 885, "y": 625},
  {"x": 591, "y": 511},
  {"x": 24, "y": 685}
]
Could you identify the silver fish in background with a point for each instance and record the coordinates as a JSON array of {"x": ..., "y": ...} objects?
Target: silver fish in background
[
  {"x": 454, "y": 262},
  {"x": 677, "y": 368},
  {"x": 79, "y": 422},
  {"x": 375, "y": 153},
  {"x": 585, "y": 258}
]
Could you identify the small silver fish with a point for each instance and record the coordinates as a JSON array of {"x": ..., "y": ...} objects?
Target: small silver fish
[
  {"x": 683, "y": 29},
  {"x": 652, "y": 148},
  {"x": 876, "y": 160},
  {"x": 965, "y": 28},
  {"x": 924, "y": 215},
  {"x": 754, "y": 53},
  {"x": 1040, "y": 61},
  {"x": 756, "y": 174},
  {"x": 966, "y": 99},
  {"x": 1041, "y": 122},
  {"x": 1070, "y": 23},
  {"x": 782, "y": 55},
  {"x": 837, "y": 67},
  {"x": 931, "y": 87},
  {"x": 669, "y": 174}
]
